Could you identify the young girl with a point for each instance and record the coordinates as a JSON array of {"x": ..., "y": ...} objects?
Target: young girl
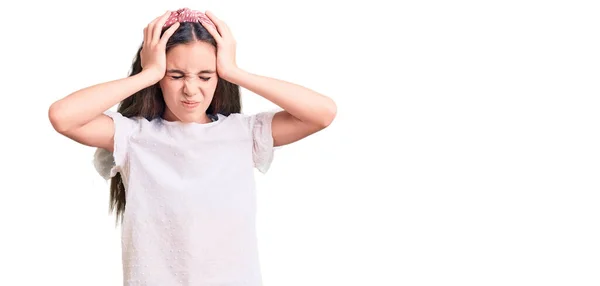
[{"x": 180, "y": 155}]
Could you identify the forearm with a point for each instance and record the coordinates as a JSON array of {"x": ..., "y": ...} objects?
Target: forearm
[
  {"x": 304, "y": 104},
  {"x": 80, "y": 107}
]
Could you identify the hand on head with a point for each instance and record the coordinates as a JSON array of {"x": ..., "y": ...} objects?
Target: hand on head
[
  {"x": 153, "y": 54},
  {"x": 226, "y": 46}
]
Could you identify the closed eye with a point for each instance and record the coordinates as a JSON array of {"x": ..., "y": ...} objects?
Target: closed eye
[{"x": 203, "y": 78}]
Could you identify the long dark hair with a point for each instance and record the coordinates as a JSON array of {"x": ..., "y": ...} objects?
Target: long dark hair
[{"x": 150, "y": 104}]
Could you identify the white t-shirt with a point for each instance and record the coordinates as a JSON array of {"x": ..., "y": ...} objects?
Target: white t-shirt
[{"x": 190, "y": 192}]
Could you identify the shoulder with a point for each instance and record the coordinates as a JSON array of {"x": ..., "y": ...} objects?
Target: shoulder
[
  {"x": 250, "y": 120},
  {"x": 123, "y": 121},
  {"x": 135, "y": 124},
  {"x": 253, "y": 124}
]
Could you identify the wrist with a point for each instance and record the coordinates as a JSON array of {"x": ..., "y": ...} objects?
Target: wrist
[
  {"x": 232, "y": 75},
  {"x": 150, "y": 77}
]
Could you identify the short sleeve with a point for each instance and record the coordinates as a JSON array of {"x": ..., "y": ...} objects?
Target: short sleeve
[
  {"x": 107, "y": 164},
  {"x": 262, "y": 139}
]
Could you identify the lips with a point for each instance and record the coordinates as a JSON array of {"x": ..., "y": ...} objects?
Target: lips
[{"x": 190, "y": 104}]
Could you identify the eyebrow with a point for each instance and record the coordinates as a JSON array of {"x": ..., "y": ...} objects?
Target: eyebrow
[{"x": 181, "y": 72}]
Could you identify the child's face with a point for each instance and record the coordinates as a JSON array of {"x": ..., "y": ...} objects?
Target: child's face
[{"x": 190, "y": 81}]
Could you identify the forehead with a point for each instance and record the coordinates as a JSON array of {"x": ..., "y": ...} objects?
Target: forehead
[{"x": 192, "y": 57}]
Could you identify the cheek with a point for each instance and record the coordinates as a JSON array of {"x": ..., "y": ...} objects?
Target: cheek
[
  {"x": 212, "y": 86},
  {"x": 169, "y": 89}
]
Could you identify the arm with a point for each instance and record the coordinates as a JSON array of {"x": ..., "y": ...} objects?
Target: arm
[
  {"x": 305, "y": 111},
  {"x": 80, "y": 117},
  {"x": 81, "y": 107}
]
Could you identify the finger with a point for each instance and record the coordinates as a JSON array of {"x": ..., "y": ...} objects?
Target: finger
[
  {"x": 168, "y": 33},
  {"x": 225, "y": 31},
  {"x": 214, "y": 19},
  {"x": 222, "y": 27},
  {"x": 148, "y": 32},
  {"x": 146, "y": 37},
  {"x": 157, "y": 26},
  {"x": 212, "y": 16},
  {"x": 213, "y": 33}
]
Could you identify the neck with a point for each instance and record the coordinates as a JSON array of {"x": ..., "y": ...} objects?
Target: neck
[{"x": 201, "y": 118}]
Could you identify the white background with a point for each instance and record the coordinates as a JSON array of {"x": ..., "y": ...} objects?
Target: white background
[{"x": 465, "y": 150}]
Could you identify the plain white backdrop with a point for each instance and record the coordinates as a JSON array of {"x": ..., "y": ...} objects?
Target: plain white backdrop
[{"x": 465, "y": 150}]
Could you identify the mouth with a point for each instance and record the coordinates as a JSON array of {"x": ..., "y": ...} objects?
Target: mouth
[{"x": 190, "y": 104}]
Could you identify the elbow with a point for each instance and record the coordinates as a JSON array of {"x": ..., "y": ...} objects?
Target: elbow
[
  {"x": 329, "y": 114},
  {"x": 56, "y": 120}
]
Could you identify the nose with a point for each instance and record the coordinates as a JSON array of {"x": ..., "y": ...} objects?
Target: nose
[{"x": 190, "y": 89}]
